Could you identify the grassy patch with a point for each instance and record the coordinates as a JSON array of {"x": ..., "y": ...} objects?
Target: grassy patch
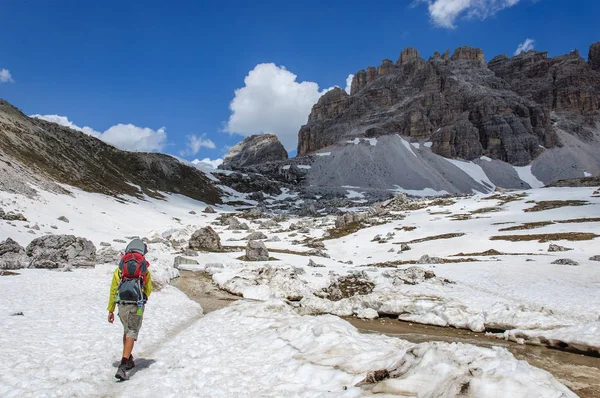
[
  {"x": 461, "y": 217},
  {"x": 555, "y": 204},
  {"x": 243, "y": 258},
  {"x": 396, "y": 263},
  {"x": 487, "y": 210},
  {"x": 578, "y": 220},
  {"x": 436, "y": 237},
  {"x": 571, "y": 236},
  {"x": 406, "y": 228},
  {"x": 8, "y": 273},
  {"x": 494, "y": 252},
  {"x": 349, "y": 229},
  {"x": 505, "y": 198},
  {"x": 529, "y": 225}
]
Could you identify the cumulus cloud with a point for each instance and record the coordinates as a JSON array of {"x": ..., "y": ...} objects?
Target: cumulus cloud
[
  {"x": 194, "y": 143},
  {"x": 525, "y": 46},
  {"x": 124, "y": 136},
  {"x": 444, "y": 13},
  {"x": 272, "y": 101},
  {"x": 207, "y": 163},
  {"x": 5, "y": 76},
  {"x": 349, "y": 83}
]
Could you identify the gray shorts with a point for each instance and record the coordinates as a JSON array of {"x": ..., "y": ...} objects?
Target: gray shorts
[{"x": 132, "y": 322}]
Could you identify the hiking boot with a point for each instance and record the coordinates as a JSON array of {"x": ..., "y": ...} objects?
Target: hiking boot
[
  {"x": 130, "y": 364},
  {"x": 121, "y": 373}
]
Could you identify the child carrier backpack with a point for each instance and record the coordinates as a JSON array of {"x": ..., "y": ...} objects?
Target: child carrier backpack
[{"x": 134, "y": 268}]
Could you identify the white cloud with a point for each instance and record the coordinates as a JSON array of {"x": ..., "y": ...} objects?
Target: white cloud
[
  {"x": 5, "y": 76},
  {"x": 272, "y": 101},
  {"x": 349, "y": 83},
  {"x": 525, "y": 46},
  {"x": 444, "y": 13},
  {"x": 194, "y": 143},
  {"x": 207, "y": 163},
  {"x": 124, "y": 136}
]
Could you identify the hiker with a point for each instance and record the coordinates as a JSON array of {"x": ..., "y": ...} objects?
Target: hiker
[{"x": 130, "y": 288}]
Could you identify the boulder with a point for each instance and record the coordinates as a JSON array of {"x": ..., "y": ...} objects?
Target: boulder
[
  {"x": 409, "y": 276},
  {"x": 179, "y": 260},
  {"x": 107, "y": 254},
  {"x": 595, "y": 258},
  {"x": 565, "y": 261},
  {"x": 12, "y": 255},
  {"x": 557, "y": 248},
  {"x": 235, "y": 224},
  {"x": 205, "y": 239},
  {"x": 63, "y": 219},
  {"x": 347, "y": 286},
  {"x": 344, "y": 220},
  {"x": 311, "y": 263},
  {"x": 256, "y": 236},
  {"x": 404, "y": 247},
  {"x": 254, "y": 150},
  {"x": 209, "y": 210},
  {"x": 256, "y": 251},
  {"x": 425, "y": 259},
  {"x": 58, "y": 251}
]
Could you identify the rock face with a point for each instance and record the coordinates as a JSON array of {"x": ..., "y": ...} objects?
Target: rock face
[
  {"x": 205, "y": 239},
  {"x": 253, "y": 150},
  {"x": 58, "y": 251},
  {"x": 256, "y": 251},
  {"x": 12, "y": 255},
  {"x": 594, "y": 56},
  {"x": 509, "y": 109}
]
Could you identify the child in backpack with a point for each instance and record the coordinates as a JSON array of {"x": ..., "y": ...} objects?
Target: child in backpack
[{"x": 130, "y": 288}]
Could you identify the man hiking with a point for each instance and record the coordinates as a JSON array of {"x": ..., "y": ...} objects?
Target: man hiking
[{"x": 130, "y": 288}]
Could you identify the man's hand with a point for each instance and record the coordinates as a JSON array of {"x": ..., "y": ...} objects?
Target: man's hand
[{"x": 111, "y": 317}]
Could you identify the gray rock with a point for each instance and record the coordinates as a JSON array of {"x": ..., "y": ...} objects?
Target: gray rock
[
  {"x": 36, "y": 227},
  {"x": 53, "y": 227},
  {"x": 351, "y": 285},
  {"x": 409, "y": 276},
  {"x": 105, "y": 244},
  {"x": 425, "y": 259},
  {"x": 595, "y": 258},
  {"x": 12, "y": 255},
  {"x": 391, "y": 250},
  {"x": 404, "y": 247},
  {"x": 344, "y": 220},
  {"x": 192, "y": 212},
  {"x": 594, "y": 56},
  {"x": 557, "y": 248},
  {"x": 273, "y": 239},
  {"x": 205, "y": 239},
  {"x": 58, "y": 251},
  {"x": 565, "y": 261},
  {"x": 318, "y": 253},
  {"x": 119, "y": 241},
  {"x": 304, "y": 230},
  {"x": 254, "y": 150},
  {"x": 311, "y": 263},
  {"x": 269, "y": 224},
  {"x": 107, "y": 254},
  {"x": 256, "y": 236},
  {"x": 235, "y": 224},
  {"x": 63, "y": 219},
  {"x": 182, "y": 260},
  {"x": 256, "y": 251},
  {"x": 12, "y": 216},
  {"x": 190, "y": 253},
  {"x": 209, "y": 210}
]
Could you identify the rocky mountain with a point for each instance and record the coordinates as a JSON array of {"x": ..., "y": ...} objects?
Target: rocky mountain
[
  {"x": 255, "y": 149},
  {"x": 512, "y": 110},
  {"x": 44, "y": 153}
]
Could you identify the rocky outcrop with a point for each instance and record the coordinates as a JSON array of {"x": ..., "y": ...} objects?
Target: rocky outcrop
[
  {"x": 594, "y": 56},
  {"x": 253, "y": 150},
  {"x": 466, "y": 53},
  {"x": 509, "y": 109},
  {"x": 205, "y": 239},
  {"x": 59, "y": 251},
  {"x": 36, "y": 148},
  {"x": 12, "y": 255}
]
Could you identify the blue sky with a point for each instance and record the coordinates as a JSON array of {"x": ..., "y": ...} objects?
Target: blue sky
[{"x": 157, "y": 75}]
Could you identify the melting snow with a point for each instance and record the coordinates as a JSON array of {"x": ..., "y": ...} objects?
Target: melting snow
[
  {"x": 428, "y": 144},
  {"x": 323, "y": 153},
  {"x": 527, "y": 176},
  {"x": 416, "y": 145},
  {"x": 474, "y": 171}
]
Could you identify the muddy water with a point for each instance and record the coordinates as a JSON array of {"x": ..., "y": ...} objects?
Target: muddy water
[{"x": 580, "y": 373}]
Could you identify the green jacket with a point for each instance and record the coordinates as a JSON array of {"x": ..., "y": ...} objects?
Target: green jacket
[{"x": 147, "y": 289}]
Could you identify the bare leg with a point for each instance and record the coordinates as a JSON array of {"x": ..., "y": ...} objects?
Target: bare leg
[{"x": 127, "y": 346}]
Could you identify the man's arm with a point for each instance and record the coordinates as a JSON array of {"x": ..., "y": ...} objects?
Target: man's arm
[
  {"x": 113, "y": 290},
  {"x": 148, "y": 286}
]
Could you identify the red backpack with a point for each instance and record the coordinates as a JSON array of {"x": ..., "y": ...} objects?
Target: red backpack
[{"x": 134, "y": 269}]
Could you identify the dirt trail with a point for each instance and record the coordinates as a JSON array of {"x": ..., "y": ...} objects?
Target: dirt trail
[{"x": 579, "y": 372}]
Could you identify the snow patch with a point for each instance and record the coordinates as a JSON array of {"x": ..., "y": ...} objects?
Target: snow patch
[
  {"x": 474, "y": 171},
  {"x": 428, "y": 144},
  {"x": 527, "y": 176}
]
